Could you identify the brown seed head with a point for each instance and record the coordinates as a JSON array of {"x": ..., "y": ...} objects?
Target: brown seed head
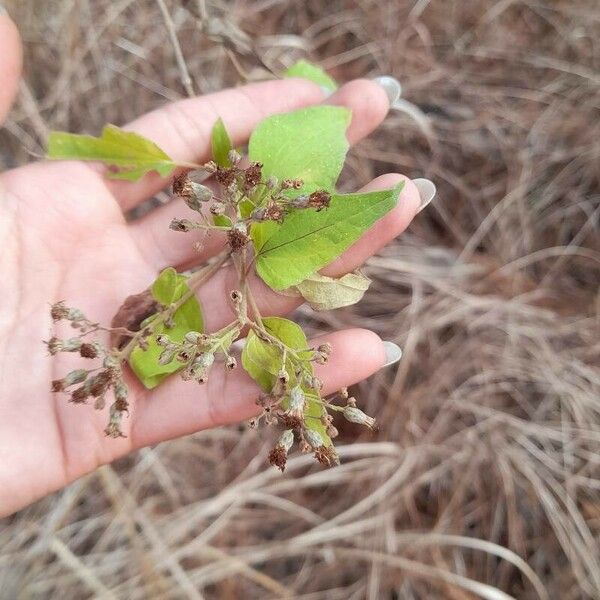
[
  {"x": 59, "y": 311},
  {"x": 319, "y": 200},
  {"x": 88, "y": 350},
  {"x": 278, "y": 457},
  {"x": 181, "y": 184},
  {"x": 57, "y": 385},
  {"x": 225, "y": 176},
  {"x": 99, "y": 383},
  {"x": 327, "y": 456},
  {"x": 80, "y": 395},
  {"x": 238, "y": 239},
  {"x": 274, "y": 212},
  {"x": 252, "y": 176}
]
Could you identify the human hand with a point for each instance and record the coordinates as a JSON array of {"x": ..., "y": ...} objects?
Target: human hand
[{"x": 66, "y": 238}]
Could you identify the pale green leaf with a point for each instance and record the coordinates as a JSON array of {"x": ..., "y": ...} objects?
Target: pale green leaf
[
  {"x": 329, "y": 293},
  {"x": 308, "y": 144},
  {"x": 308, "y": 240},
  {"x": 221, "y": 144},
  {"x": 262, "y": 361},
  {"x": 167, "y": 289},
  {"x": 222, "y": 221},
  {"x": 312, "y": 72},
  {"x": 131, "y": 154}
]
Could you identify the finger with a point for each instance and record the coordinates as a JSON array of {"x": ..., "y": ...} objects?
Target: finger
[
  {"x": 163, "y": 247},
  {"x": 179, "y": 407},
  {"x": 217, "y": 313},
  {"x": 368, "y": 102},
  {"x": 10, "y": 62},
  {"x": 182, "y": 129}
]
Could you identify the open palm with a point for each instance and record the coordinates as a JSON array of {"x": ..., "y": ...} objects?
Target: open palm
[{"x": 65, "y": 237}]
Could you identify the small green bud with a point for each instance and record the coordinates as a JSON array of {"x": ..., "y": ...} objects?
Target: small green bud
[
  {"x": 234, "y": 156},
  {"x": 76, "y": 376},
  {"x": 286, "y": 440},
  {"x": 205, "y": 360},
  {"x": 163, "y": 340},
  {"x": 166, "y": 356},
  {"x": 193, "y": 337},
  {"x": 110, "y": 362},
  {"x": 182, "y": 225},
  {"x": 313, "y": 438},
  {"x": 75, "y": 315},
  {"x": 355, "y": 415},
  {"x": 197, "y": 194},
  {"x": 296, "y": 404},
  {"x": 258, "y": 214},
  {"x": 300, "y": 201},
  {"x": 121, "y": 391}
]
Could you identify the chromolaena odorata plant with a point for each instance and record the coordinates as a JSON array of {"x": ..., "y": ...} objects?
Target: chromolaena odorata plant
[{"x": 282, "y": 218}]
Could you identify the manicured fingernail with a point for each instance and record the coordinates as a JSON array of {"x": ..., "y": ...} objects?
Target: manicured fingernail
[
  {"x": 392, "y": 353},
  {"x": 327, "y": 91},
  {"x": 391, "y": 85},
  {"x": 427, "y": 191}
]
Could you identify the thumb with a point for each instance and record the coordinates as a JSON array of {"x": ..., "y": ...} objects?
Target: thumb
[{"x": 10, "y": 62}]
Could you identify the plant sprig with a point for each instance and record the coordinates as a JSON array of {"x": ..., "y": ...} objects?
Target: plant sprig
[{"x": 281, "y": 217}]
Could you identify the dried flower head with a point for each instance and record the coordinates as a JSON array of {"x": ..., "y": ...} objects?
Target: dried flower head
[
  {"x": 182, "y": 225},
  {"x": 327, "y": 455},
  {"x": 278, "y": 456},
  {"x": 218, "y": 208},
  {"x": 319, "y": 200},
  {"x": 88, "y": 350},
  {"x": 59, "y": 311},
  {"x": 225, "y": 176},
  {"x": 291, "y": 184},
  {"x": 80, "y": 394},
  {"x": 273, "y": 211},
  {"x": 100, "y": 383},
  {"x": 252, "y": 176},
  {"x": 238, "y": 237}
]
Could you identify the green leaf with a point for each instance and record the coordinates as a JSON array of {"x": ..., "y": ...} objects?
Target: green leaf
[
  {"x": 167, "y": 289},
  {"x": 308, "y": 144},
  {"x": 131, "y": 154},
  {"x": 312, "y": 72},
  {"x": 222, "y": 221},
  {"x": 328, "y": 293},
  {"x": 308, "y": 240},
  {"x": 262, "y": 361},
  {"x": 221, "y": 144}
]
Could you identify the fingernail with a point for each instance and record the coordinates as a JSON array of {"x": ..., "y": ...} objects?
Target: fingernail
[
  {"x": 326, "y": 91},
  {"x": 391, "y": 85},
  {"x": 427, "y": 191},
  {"x": 392, "y": 353}
]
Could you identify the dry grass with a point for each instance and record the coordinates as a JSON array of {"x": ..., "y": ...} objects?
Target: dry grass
[{"x": 484, "y": 480}]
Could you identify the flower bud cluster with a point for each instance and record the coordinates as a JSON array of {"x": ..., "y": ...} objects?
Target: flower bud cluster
[
  {"x": 198, "y": 352},
  {"x": 89, "y": 384},
  {"x": 294, "y": 389}
]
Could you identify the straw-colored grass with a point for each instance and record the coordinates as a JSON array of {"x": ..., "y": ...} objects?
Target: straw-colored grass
[{"x": 484, "y": 479}]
